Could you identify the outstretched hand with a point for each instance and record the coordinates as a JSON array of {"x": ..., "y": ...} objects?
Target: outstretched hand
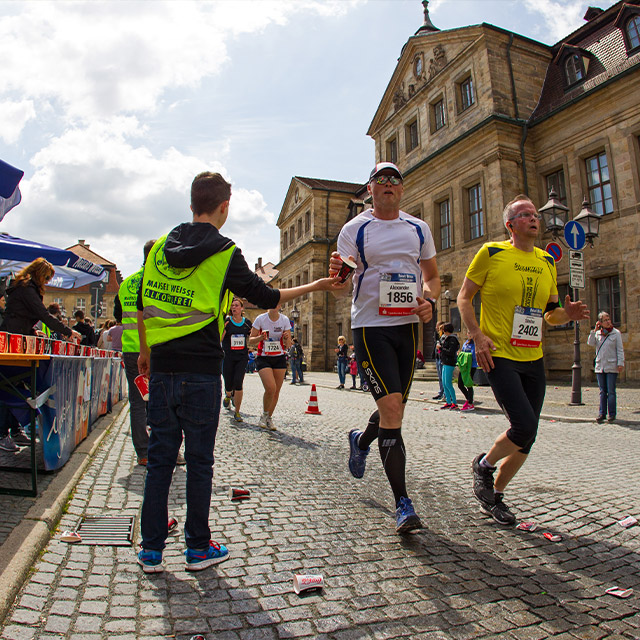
[{"x": 575, "y": 310}]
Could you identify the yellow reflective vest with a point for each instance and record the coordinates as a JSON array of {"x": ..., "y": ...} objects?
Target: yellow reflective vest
[
  {"x": 178, "y": 302},
  {"x": 128, "y": 294}
]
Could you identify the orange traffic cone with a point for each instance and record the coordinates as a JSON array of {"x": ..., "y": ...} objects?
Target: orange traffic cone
[{"x": 313, "y": 402}]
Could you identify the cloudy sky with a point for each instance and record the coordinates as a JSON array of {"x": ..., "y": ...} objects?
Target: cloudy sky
[{"x": 111, "y": 108}]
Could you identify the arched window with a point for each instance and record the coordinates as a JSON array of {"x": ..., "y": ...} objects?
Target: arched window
[
  {"x": 633, "y": 32},
  {"x": 574, "y": 69}
]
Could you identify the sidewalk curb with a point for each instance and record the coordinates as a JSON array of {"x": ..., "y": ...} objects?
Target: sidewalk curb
[{"x": 24, "y": 544}]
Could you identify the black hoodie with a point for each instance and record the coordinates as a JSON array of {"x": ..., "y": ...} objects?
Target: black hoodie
[
  {"x": 25, "y": 308},
  {"x": 188, "y": 245}
]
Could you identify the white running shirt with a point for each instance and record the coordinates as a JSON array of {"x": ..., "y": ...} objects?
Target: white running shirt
[
  {"x": 276, "y": 329},
  {"x": 383, "y": 247}
]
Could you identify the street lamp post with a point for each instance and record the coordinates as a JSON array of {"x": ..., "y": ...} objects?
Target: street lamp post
[
  {"x": 555, "y": 216},
  {"x": 295, "y": 316}
]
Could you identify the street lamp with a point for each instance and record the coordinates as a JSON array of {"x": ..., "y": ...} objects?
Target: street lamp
[
  {"x": 555, "y": 216},
  {"x": 590, "y": 222},
  {"x": 295, "y": 316}
]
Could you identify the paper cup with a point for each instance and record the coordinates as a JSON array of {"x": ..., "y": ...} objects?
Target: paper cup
[
  {"x": 31, "y": 344},
  {"x": 71, "y": 537},
  {"x": 142, "y": 382},
  {"x": 346, "y": 269},
  {"x": 236, "y": 493},
  {"x": 40, "y": 345},
  {"x": 307, "y": 582},
  {"x": 4, "y": 342},
  {"x": 15, "y": 343}
]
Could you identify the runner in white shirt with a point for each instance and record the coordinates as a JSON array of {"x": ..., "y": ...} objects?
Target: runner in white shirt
[
  {"x": 395, "y": 285},
  {"x": 271, "y": 331}
]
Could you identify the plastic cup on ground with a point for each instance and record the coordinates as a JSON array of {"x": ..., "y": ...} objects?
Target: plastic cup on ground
[
  {"x": 71, "y": 537},
  {"x": 307, "y": 582}
]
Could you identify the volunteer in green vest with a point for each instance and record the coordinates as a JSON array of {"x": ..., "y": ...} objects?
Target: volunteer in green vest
[
  {"x": 125, "y": 311},
  {"x": 188, "y": 282}
]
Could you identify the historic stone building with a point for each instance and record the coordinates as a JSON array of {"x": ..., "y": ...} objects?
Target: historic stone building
[
  {"x": 475, "y": 115},
  {"x": 311, "y": 217}
]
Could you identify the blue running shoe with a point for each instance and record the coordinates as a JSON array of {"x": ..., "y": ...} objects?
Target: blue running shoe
[
  {"x": 150, "y": 561},
  {"x": 406, "y": 518},
  {"x": 196, "y": 560},
  {"x": 357, "y": 457}
]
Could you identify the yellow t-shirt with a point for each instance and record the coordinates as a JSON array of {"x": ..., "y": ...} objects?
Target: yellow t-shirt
[{"x": 514, "y": 284}]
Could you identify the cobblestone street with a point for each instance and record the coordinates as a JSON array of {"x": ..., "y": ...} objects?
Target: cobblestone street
[{"x": 461, "y": 577}]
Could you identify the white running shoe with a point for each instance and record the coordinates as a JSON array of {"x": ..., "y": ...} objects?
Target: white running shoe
[{"x": 264, "y": 420}]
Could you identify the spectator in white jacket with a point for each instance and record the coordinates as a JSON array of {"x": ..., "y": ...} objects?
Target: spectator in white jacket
[{"x": 609, "y": 362}]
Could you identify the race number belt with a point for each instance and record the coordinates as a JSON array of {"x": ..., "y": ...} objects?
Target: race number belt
[
  {"x": 527, "y": 327},
  {"x": 397, "y": 294},
  {"x": 272, "y": 348},
  {"x": 237, "y": 342}
]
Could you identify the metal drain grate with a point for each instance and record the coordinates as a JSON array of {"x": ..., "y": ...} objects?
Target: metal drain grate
[{"x": 114, "y": 531}]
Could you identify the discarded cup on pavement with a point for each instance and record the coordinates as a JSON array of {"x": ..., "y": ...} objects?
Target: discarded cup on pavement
[
  {"x": 627, "y": 522},
  {"x": 527, "y": 526},
  {"x": 619, "y": 592},
  {"x": 236, "y": 493},
  {"x": 71, "y": 537},
  {"x": 307, "y": 582},
  {"x": 172, "y": 524},
  {"x": 552, "y": 537},
  {"x": 142, "y": 382}
]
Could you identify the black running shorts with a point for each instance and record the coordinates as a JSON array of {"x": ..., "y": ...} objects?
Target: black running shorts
[
  {"x": 273, "y": 362},
  {"x": 519, "y": 388},
  {"x": 387, "y": 358},
  {"x": 233, "y": 370}
]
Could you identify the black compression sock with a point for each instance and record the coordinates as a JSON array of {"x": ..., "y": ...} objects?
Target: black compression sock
[
  {"x": 371, "y": 432},
  {"x": 393, "y": 456}
]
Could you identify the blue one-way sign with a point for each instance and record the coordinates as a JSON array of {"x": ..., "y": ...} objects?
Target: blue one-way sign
[{"x": 574, "y": 235}]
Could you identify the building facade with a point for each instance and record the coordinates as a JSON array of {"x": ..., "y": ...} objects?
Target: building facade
[
  {"x": 311, "y": 217},
  {"x": 475, "y": 115},
  {"x": 85, "y": 298}
]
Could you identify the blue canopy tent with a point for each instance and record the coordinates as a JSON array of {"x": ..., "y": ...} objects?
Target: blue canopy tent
[{"x": 71, "y": 270}]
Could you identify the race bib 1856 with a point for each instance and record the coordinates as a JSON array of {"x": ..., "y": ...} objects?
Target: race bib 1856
[{"x": 398, "y": 293}]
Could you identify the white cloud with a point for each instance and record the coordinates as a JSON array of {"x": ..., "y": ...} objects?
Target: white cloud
[
  {"x": 14, "y": 115},
  {"x": 99, "y": 59},
  {"x": 561, "y": 17},
  {"x": 93, "y": 183},
  {"x": 89, "y": 74}
]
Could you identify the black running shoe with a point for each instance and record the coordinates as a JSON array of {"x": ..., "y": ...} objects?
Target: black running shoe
[
  {"x": 500, "y": 511},
  {"x": 483, "y": 482}
]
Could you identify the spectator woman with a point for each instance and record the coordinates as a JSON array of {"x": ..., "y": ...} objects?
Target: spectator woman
[
  {"x": 24, "y": 302},
  {"x": 449, "y": 346},
  {"x": 609, "y": 363},
  {"x": 343, "y": 359}
]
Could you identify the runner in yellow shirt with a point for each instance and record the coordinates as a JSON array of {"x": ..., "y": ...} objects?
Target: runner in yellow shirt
[{"x": 517, "y": 281}]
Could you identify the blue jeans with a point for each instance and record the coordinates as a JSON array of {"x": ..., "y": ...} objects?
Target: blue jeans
[
  {"x": 180, "y": 403},
  {"x": 439, "y": 369},
  {"x": 296, "y": 369},
  {"x": 342, "y": 370},
  {"x": 447, "y": 383},
  {"x": 607, "y": 384}
]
